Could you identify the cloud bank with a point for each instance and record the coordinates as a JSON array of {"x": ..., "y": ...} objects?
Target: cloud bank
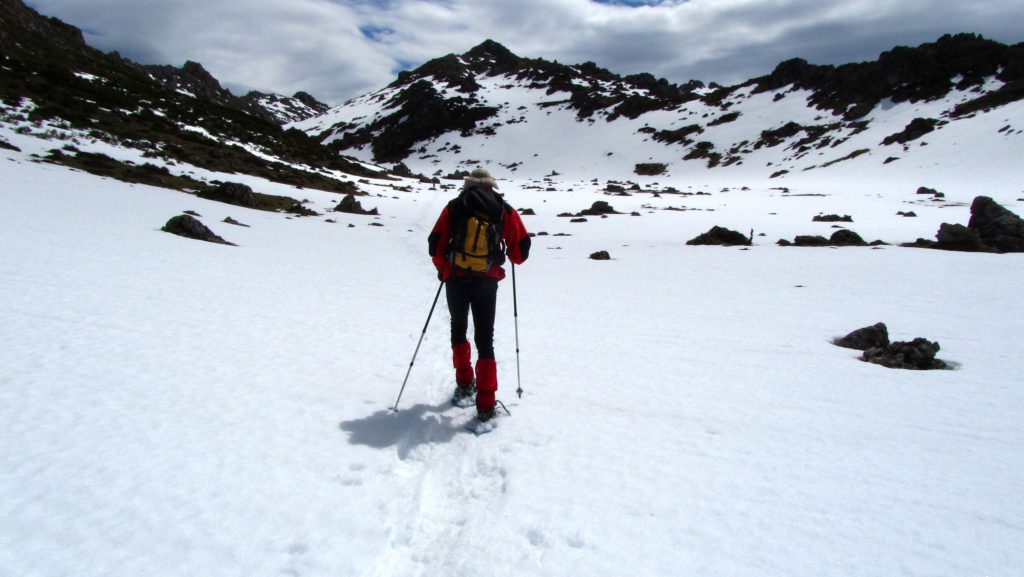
[{"x": 338, "y": 49}]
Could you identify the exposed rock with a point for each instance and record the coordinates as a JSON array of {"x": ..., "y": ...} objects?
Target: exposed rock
[
  {"x": 350, "y": 205},
  {"x": 999, "y": 228},
  {"x": 230, "y": 220},
  {"x": 959, "y": 238},
  {"x": 189, "y": 227},
  {"x": 527, "y": 212},
  {"x": 917, "y": 128},
  {"x": 233, "y": 193},
  {"x": 8, "y": 146},
  {"x": 918, "y": 354},
  {"x": 842, "y": 237},
  {"x": 832, "y": 218},
  {"x": 650, "y": 168},
  {"x": 875, "y": 336},
  {"x": 810, "y": 240},
  {"x": 926, "y": 190},
  {"x": 599, "y": 208},
  {"x": 721, "y": 236},
  {"x": 601, "y": 255},
  {"x": 909, "y": 214},
  {"x": 846, "y": 238}
]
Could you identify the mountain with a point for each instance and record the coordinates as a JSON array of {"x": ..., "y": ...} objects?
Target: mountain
[
  {"x": 522, "y": 113},
  {"x": 52, "y": 82},
  {"x": 195, "y": 81}
]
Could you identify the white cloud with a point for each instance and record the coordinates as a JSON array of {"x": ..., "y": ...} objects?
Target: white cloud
[{"x": 337, "y": 49}]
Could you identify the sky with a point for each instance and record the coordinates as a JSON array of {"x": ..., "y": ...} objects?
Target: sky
[{"x": 340, "y": 49}]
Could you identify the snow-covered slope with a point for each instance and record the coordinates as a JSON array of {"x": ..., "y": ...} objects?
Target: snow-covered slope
[
  {"x": 533, "y": 121},
  {"x": 176, "y": 408}
]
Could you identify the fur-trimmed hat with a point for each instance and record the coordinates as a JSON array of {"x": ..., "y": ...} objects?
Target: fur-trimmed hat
[{"x": 480, "y": 176}]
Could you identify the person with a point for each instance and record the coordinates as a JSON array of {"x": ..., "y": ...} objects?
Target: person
[{"x": 471, "y": 278}]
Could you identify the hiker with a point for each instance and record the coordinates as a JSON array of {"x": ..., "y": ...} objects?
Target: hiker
[{"x": 469, "y": 243}]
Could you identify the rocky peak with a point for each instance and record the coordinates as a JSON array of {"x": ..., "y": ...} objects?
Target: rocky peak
[
  {"x": 193, "y": 79},
  {"x": 926, "y": 72},
  {"x": 308, "y": 100}
]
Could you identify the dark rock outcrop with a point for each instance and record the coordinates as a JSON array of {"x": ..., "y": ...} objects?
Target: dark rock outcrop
[
  {"x": 810, "y": 240},
  {"x": 8, "y": 146},
  {"x": 601, "y": 255},
  {"x": 918, "y": 354},
  {"x": 842, "y": 237},
  {"x": 832, "y": 218},
  {"x": 959, "y": 238},
  {"x": 917, "y": 128},
  {"x": 189, "y": 227},
  {"x": 721, "y": 236},
  {"x": 350, "y": 205},
  {"x": 992, "y": 228},
  {"x": 599, "y": 208},
  {"x": 846, "y": 238},
  {"x": 875, "y": 336},
  {"x": 998, "y": 228},
  {"x": 233, "y": 193}
]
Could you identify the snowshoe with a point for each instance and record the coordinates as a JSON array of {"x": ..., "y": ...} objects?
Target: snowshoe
[
  {"x": 464, "y": 396},
  {"x": 486, "y": 421},
  {"x": 483, "y": 422}
]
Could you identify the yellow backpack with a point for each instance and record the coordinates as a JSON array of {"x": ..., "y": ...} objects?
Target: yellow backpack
[{"x": 477, "y": 219}]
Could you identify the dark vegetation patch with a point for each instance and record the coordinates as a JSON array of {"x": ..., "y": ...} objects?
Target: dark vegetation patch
[
  {"x": 917, "y": 128},
  {"x": 725, "y": 119},
  {"x": 650, "y": 168},
  {"x": 678, "y": 135},
  {"x": 1009, "y": 92},
  {"x": 705, "y": 150}
]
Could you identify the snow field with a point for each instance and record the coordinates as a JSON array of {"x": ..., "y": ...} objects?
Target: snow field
[{"x": 172, "y": 407}]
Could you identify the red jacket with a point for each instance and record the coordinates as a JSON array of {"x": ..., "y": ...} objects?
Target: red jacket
[{"x": 517, "y": 242}]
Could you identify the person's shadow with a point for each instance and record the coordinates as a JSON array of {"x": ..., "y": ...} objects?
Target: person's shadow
[{"x": 404, "y": 430}]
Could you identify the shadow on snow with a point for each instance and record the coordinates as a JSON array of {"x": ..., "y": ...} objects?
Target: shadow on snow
[{"x": 404, "y": 430}]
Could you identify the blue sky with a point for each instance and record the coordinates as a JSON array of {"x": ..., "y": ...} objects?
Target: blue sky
[{"x": 338, "y": 49}]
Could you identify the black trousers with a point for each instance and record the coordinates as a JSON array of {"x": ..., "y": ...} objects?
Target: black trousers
[{"x": 478, "y": 294}]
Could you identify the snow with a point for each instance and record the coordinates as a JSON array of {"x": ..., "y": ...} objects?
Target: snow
[{"x": 178, "y": 408}]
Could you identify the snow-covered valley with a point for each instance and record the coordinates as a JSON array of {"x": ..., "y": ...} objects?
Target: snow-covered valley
[{"x": 178, "y": 408}]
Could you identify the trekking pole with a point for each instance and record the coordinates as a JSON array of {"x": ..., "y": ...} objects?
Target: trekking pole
[
  {"x": 515, "y": 314},
  {"x": 416, "y": 352}
]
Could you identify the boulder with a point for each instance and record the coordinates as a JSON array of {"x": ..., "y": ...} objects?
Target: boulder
[
  {"x": 998, "y": 228},
  {"x": 233, "y": 193},
  {"x": 601, "y": 255},
  {"x": 832, "y": 218},
  {"x": 810, "y": 240},
  {"x": 875, "y": 336},
  {"x": 350, "y": 205},
  {"x": 960, "y": 238},
  {"x": 598, "y": 208},
  {"x": 189, "y": 227},
  {"x": 846, "y": 238},
  {"x": 721, "y": 236},
  {"x": 918, "y": 354}
]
